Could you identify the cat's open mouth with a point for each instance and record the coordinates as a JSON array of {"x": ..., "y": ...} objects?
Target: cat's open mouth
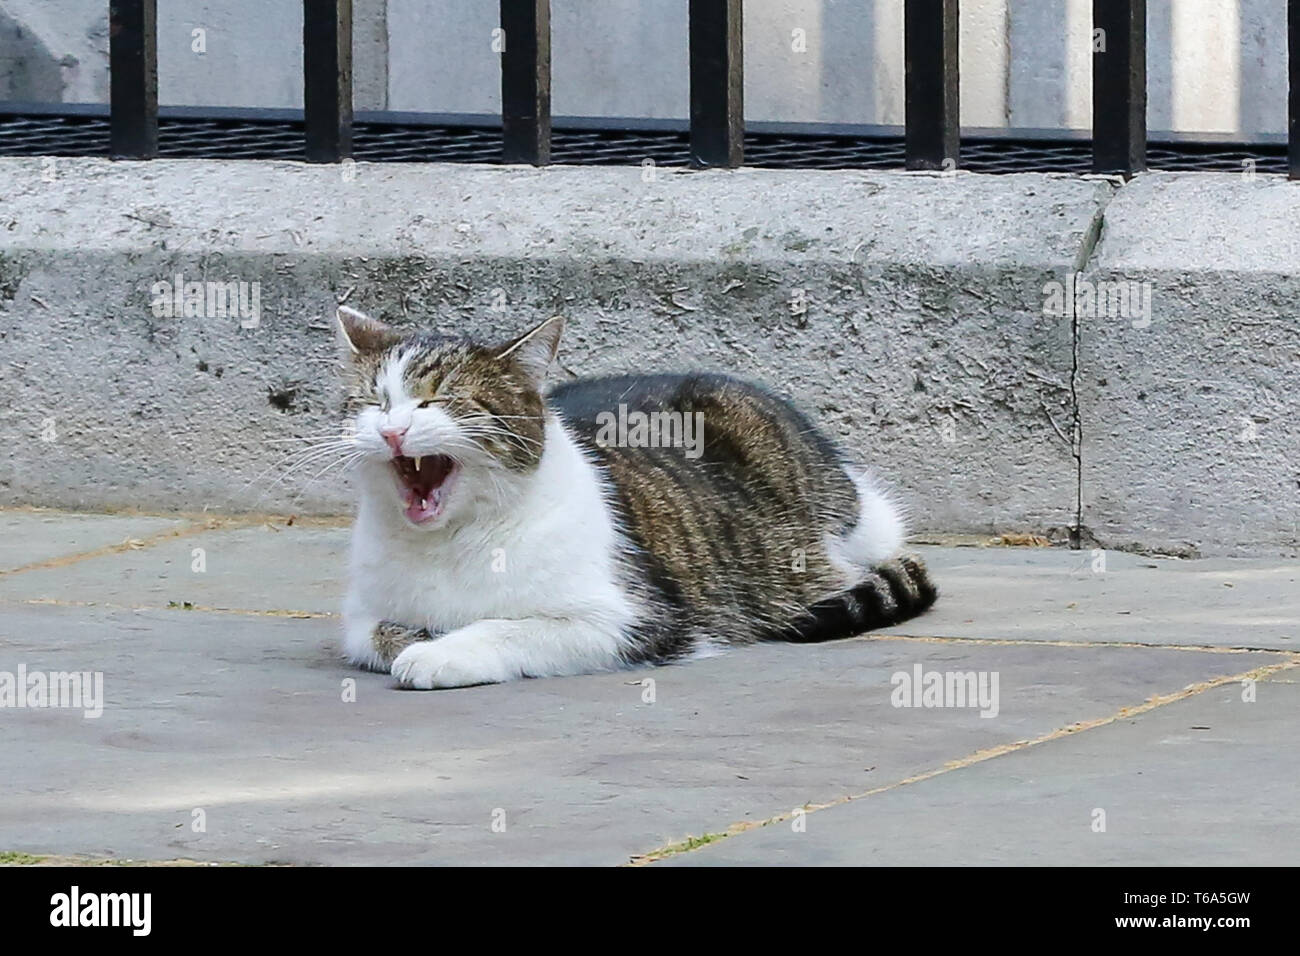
[{"x": 424, "y": 482}]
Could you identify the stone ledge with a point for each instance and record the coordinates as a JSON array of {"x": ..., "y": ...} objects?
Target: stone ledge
[
  {"x": 905, "y": 311},
  {"x": 1191, "y": 437}
]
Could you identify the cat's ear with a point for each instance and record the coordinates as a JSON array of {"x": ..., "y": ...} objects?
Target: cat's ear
[
  {"x": 536, "y": 349},
  {"x": 360, "y": 333}
]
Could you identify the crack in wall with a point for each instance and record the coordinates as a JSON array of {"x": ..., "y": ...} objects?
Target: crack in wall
[{"x": 1087, "y": 248}]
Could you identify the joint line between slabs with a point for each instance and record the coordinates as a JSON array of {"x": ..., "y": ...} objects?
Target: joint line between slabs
[
  {"x": 130, "y": 544},
  {"x": 198, "y": 608},
  {"x": 1028, "y": 642},
  {"x": 979, "y": 756},
  {"x": 197, "y": 525}
]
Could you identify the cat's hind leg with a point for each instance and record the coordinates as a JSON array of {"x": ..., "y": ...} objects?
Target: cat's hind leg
[
  {"x": 391, "y": 638},
  {"x": 373, "y": 645}
]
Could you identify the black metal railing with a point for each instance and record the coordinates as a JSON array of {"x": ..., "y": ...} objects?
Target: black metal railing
[
  {"x": 932, "y": 137},
  {"x": 526, "y": 81},
  {"x": 1119, "y": 86},
  {"x": 133, "y": 78},
  {"x": 327, "y": 79},
  {"x": 931, "y": 84}
]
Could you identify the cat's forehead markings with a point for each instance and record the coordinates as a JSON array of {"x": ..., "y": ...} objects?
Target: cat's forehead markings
[
  {"x": 442, "y": 362},
  {"x": 392, "y": 374}
]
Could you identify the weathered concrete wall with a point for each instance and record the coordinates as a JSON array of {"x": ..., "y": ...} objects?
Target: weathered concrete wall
[
  {"x": 904, "y": 311},
  {"x": 911, "y": 314},
  {"x": 1215, "y": 65},
  {"x": 1191, "y": 415}
]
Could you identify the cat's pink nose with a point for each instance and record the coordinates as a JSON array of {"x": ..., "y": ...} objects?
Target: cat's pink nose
[{"x": 393, "y": 436}]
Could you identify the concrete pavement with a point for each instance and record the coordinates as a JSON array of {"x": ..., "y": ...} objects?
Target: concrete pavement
[{"x": 1138, "y": 710}]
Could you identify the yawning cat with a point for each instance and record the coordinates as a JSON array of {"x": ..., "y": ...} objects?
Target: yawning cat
[{"x": 504, "y": 533}]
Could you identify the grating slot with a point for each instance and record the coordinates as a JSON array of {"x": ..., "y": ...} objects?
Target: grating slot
[{"x": 53, "y": 135}]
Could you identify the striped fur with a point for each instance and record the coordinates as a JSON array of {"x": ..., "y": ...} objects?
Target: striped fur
[
  {"x": 731, "y": 547},
  {"x": 610, "y": 552}
]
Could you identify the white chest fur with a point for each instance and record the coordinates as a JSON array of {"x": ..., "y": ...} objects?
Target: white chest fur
[{"x": 550, "y": 552}]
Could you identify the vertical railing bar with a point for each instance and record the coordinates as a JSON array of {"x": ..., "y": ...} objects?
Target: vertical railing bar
[
  {"x": 1293, "y": 92},
  {"x": 932, "y": 84},
  {"x": 717, "y": 83},
  {"x": 1119, "y": 86},
  {"x": 133, "y": 78},
  {"x": 327, "y": 79},
  {"x": 526, "y": 81}
]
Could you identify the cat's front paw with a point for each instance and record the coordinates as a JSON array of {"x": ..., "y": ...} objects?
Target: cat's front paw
[{"x": 449, "y": 662}]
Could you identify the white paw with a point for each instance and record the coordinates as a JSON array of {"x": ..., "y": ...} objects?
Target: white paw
[{"x": 445, "y": 663}]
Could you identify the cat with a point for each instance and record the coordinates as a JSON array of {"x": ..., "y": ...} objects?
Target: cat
[{"x": 504, "y": 532}]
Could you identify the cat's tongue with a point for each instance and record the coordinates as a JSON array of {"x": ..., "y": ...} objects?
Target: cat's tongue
[
  {"x": 423, "y": 485},
  {"x": 420, "y": 510}
]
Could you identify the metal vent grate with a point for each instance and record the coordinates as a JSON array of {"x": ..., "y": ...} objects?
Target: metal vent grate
[{"x": 87, "y": 135}]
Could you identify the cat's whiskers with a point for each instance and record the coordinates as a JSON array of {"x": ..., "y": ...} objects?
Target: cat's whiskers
[
  {"x": 285, "y": 461},
  {"x": 495, "y": 479},
  {"x": 489, "y": 421},
  {"x": 315, "y": 453},
  {"x": 299, "y": 458},
  {"x": 498, "y": 434},
  {"x": 481, "y": 429},
  {"x": 344, "y": 463},
  {"x": 307, "y": 438}
]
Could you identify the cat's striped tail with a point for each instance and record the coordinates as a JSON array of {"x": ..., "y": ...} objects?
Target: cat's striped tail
[{"x": 892, "y": 592}]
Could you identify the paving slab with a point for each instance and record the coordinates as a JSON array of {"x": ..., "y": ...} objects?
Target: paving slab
[
  {"x": 1209, "y": 780},
  {"x": 244, "y": 718},
  {"x": 264, "y": 567},
  {"x": 31, "y": 537},
  {"x": 1054, "y": 594}
]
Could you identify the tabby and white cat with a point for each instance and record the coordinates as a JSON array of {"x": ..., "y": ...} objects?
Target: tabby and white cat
[{"x": 500, "y": 534}]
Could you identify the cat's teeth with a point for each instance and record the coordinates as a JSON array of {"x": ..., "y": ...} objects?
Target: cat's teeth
[{"x": 417, "y": 462}]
